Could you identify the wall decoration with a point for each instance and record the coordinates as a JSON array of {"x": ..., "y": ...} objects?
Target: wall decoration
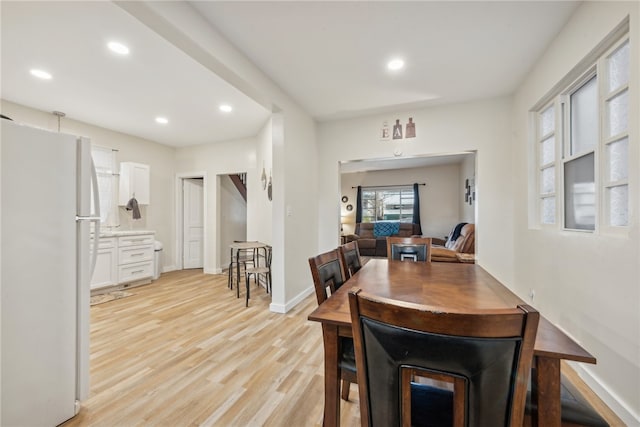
[
  {"x": 263, "y": 178},
  {"x": 469, "y": 191},
  {"x": 385, "y": 135},
  {"x": 349, "y": 208},
  {"x": 397, "y": 130},
  {"x": 345, "y": 199},
  {"x": 269, "y": 190},
  {"x": 411, "y": 129}
]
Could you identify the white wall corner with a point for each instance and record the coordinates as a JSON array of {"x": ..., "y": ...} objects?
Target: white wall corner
[{"x": 280, "y": 308}]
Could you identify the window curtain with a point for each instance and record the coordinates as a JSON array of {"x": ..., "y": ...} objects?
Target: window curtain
[
  {"x": 359, "y": 205},
  {"x": 416, "y": 208}
]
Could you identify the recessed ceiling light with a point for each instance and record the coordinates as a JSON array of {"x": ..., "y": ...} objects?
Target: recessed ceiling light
[
  {"x": 41, "y": 74},
  {"x": 118, "y": 48},
  {"x": 226, "y": 108},
  {"x": 162, "y": 120},
  {"x": 395, "y": 64}
]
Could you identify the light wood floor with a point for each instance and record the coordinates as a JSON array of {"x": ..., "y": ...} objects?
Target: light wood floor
[{"x": 184, "y": 351}]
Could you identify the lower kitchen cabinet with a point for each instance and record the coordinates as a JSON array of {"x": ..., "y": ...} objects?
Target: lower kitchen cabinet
[
  {"x": 123, "y": 259},
  {"x": 106, "y": 270}
]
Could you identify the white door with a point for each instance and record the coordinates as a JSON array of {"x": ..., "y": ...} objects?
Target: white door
[{"x": 192, "y": 191}]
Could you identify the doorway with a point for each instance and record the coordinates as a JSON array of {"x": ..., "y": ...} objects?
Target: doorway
[
  {"x": 191, "y": 248},
  {"x": 192, "y": 222}
]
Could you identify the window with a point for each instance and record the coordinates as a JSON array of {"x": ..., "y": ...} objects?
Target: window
[
  {"x": 387, "y": 204},
  {"x": 104, "y": 160},
  {"x": 583, "y": 146}
]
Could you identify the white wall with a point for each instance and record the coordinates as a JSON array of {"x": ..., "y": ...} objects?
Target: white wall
[
  {"x": 216, "y": 160},
  {"x": 259, "y": 207},
  {"x": 160, "y": 214},
  {"x": 467, "y": 171},
  {"x": 586, "y": 283},
  {"x": 483, "y": 126},
  {"x": 440, "y": 208},
  {"x": 233, "y": 217}
]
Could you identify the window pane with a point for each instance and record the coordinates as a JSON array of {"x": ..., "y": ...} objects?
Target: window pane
[
  {"x": 547, "y": 121},
  {"x": 618, "y": 114},
  {"x": 548, "y": 148},
  {"x": 548, "y": 210},
  {"x": 584, "y": 117},
  {"x": 618, "y": 205},
  {"x": 617, "y": 155},
  {"x": 548, "y": 180},
  {"x": 619, "y": 67},
  {"x": 580, "y": 193},
  {"x": 387, "y": 205}
]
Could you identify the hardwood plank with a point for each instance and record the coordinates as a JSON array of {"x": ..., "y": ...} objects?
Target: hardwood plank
[{"x": 185, "y": 351}]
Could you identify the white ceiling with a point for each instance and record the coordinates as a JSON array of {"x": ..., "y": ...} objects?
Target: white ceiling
[{"x": 329, "y": 56}]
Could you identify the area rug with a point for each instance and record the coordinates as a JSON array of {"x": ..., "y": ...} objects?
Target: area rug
[{"x": 111, "y": 296}]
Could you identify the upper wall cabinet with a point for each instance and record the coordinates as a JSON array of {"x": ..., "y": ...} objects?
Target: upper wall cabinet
[{"x": 134, "y": 182}]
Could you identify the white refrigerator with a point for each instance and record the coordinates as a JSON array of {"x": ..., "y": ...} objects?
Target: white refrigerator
[{"x": 46, "y": 265}]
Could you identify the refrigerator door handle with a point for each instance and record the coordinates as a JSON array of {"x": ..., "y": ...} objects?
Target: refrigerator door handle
[{"x": 95, "y": 216}]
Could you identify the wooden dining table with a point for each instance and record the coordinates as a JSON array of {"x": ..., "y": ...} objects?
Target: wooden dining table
[{"x": 446, "y": 287}]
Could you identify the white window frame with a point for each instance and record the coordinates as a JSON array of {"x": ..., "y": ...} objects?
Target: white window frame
[
  {"x": 400, "y": 188},
  {"x": 110, "y": 212},
  {"x": 559, "y": 98}
]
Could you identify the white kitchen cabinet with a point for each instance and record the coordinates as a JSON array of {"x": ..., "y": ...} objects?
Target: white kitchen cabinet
[
  {"x": 106, "y": 271},
  {"x": 124, "y": 258},
  {"x": 135, "y": 258},
  {"x": 134, "y": 182}
]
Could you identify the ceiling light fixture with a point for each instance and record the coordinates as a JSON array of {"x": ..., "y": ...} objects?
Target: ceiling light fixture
[
  {"x": 118, "y": 48},
  {"x": 395, "y": 64},
  {"x": 162, "y": 120},
  {"x": 41, "y": 74},
  {"x": 226, "y": 108}
]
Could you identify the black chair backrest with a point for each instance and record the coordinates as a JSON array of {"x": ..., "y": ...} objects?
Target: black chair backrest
[
  {"x": 486, "y": 355},
  {"x": 409, "y": 248},
  {"x": 351, "y": 258},
  {"x": 327, "y": 271}
]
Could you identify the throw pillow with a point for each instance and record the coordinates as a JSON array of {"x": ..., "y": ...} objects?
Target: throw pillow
[{"x": 384, "y": 229}]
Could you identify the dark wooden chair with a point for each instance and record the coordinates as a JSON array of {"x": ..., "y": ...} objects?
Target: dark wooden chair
[
  {"x": 409, "y": 248},
  {"x": 483, "y": 359},
  {"x": 351, "y": 258},
  {"x": 328, "y": 272}
]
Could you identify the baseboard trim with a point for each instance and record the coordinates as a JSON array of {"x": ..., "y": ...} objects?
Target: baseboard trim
[
  {"x": 611, "y": 399},
  {"x": 280, "y": 308},
  {"x": 212, "y": 271},
  {"x": 168, "y": 268}
]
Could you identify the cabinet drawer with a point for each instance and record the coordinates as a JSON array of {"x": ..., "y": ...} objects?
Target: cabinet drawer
[
  {"x": 130, "y": 254},
  {"x": 137, "y": 240},
  {"x": 133, "y": 272},
  {"x": 107, "y": 243}
]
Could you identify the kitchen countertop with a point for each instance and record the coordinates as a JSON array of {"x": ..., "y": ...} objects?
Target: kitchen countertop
[{"x": 117, "y": 233}]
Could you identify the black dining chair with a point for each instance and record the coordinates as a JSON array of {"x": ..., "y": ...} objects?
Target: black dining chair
[
  {"x": 480, "y": 362},
  {"x": 409, "y": 248},
  {"x": 328, "y": 272}
]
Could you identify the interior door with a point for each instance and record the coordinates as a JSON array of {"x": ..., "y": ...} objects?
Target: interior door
[{"x": 193, "y": 221}]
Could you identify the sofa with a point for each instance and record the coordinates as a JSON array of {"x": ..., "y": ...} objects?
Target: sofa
[
  {"x": 372, "y": 238},
  {"x": 463, "y": 242}
]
